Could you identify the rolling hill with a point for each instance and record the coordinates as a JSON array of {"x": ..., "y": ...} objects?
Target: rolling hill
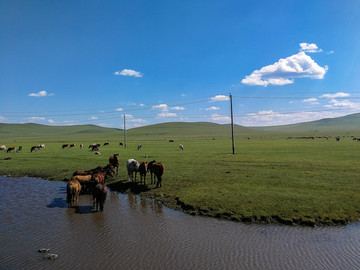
[{"x": 346, "y": 125}]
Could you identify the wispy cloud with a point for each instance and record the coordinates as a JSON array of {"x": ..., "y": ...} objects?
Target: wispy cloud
[
  {"x": 213, "y": 108},
  {"x": 162, "y": 107},
  {"x": 166, "y": 115},
  {"x": 128, "y": 72},
  {"x": 177, "y": 108},
  {"x": 40, "y": 94},
  {"x": 285, "y": 71},
  {"x": 336, "y": 95},
  {"x": 311, "y": 100},
  {"x": 36, "y": 118},
  {"x": 310, "y": 48},
  {"x": 93, "y": 118},
  {"x": 219, "y": 98},
  {"x": 220, "y": 118},
  {"x": 119, "y": 109}
]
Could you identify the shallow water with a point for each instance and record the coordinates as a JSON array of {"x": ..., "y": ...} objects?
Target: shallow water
[{"x": 135, "y": 233}]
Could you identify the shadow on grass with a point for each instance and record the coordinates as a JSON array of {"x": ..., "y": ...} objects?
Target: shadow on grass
[{"x": 125, "y": 186}]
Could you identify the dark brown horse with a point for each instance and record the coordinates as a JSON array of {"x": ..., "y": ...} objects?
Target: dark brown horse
[
  {"x": 99, "y": 196},
  {"x": 114, "y": 161}
]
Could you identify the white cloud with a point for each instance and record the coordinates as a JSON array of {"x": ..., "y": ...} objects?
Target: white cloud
[
  {"x": 166, "y": 115},
  {"x": 343, "y": 104},
  {"x": 311, "y": 100},
  {"x": 219, "y": 98},
  {"x": 50, "y": 121},
  {"x": 138, "y": 121},
  {"x": 162, "y": 107},
  {"x": 142, "y": 105},
  {"x": 36, "y": 118},
  {"x": 93, "y": 118},
  {"x": 271, "y": 118},
  {"x": 336, "y": 95},
  {"x": 128, "y": 72},
  {"x": 119, "y": 109},
  {"x": 213, "y": 108},
  {"x": 220, "y": 118},
  {"x": 40, "y": 94},
  {"x": 177, "y": 108},
  {"x": 286, "y": 70},
  {"x": 309, "y": 47}
]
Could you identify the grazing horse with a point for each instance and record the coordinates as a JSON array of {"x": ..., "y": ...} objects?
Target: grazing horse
[
  {"x": 114, "y": 161},
  {"x": 2, "y": 148},
  {"x": 143, "y": 170},
  {"x": 106, "y": 143},
  {"x": 73, "y": 189},
  {"x": 101, "y": 176},
  {"x": 20, "y": 148},
  {"x": 99, "y": 196},
  {"x": 132, "y": 167},
  {"x": 157, "y": 169},
  {"x": 11, "y": 149}
]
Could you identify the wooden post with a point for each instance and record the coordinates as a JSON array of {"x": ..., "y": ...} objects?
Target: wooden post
[{"x": 232, "y": 126}]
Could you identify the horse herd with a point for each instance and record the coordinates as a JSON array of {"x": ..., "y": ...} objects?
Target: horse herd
[{"x": 93, "y": 181}]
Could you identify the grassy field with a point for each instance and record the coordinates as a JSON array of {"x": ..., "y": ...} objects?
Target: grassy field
[{"x": 269, "y": 179}]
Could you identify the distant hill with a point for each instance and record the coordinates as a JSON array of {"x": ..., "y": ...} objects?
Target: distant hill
[{"x": 346, "y": 125}]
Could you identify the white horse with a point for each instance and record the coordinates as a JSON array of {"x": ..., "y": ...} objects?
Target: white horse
[{"x": 132, "y": 167}]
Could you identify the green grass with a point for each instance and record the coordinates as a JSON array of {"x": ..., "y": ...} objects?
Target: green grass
[{"x": 269, "y": 179}]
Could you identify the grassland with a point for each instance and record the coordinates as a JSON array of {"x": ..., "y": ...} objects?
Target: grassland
[{"x": 269, "y": 179}]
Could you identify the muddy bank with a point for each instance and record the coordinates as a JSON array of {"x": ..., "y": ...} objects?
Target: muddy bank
[{"x": 176, "y": 204}]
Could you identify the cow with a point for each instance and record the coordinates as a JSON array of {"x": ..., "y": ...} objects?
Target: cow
[
  {"x": 72, "y": 145},
  {"x": 99, "y": 196},
  {"x": 2, "y": 148},
  {"x": 73, "y": 189},
  {"x": 139, "y": 147},
  {"x": 143, "y": 170},
  {"x": 120, "y": 144},
  {"x": 41, "y": 146},
  {"x": 157, "y": 169},
  {"x": 34, "y": 148},
  {"x": 97, "y": 153},
  {"x": 13, "y": 148},
  {"x": 171, "y": 140},
  {"x": 114, "y": 161},
  {"x": 132, "y": 167},
  {"x": 20, "y": 148},
  {"x": 181, "y": 147},
  {"x": 81, "y": 146},
  {"x": 65, "y": 146},
  {"x": 106, "y": 143}
]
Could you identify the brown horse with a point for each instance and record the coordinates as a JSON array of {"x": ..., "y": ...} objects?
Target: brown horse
[
  {"x": 99, "y": 196},
  {"x": 157, "y": 169},
  {"x": 114, "y": 161},
  {"x": 73, "y": 189}
]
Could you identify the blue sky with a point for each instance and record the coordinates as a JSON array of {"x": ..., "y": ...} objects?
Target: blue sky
[{"x": 91, "y": 62}]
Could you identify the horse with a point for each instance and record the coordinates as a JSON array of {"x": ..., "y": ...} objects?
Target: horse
[
  {"x": 157, "y": 169},
  {"x": 99, "y": 196},
  {"x": 132, "y": 167},
  {"x": 143, "y": 170},
  {"x": 114, "y": 161},
  {"x": 73, "y": 189}
]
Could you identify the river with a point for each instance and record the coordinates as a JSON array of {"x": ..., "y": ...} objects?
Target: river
[{"x": 136, "y": 233}]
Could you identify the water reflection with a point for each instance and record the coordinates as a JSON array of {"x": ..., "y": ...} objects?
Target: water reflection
[{"x": 136, "y": 233}]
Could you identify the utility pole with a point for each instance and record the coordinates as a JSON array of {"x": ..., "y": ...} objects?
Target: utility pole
[
  {"x": 124, "y": 132},
  {"x": 232, "y": 125}
]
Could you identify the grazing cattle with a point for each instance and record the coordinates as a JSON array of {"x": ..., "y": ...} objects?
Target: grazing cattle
[
  {"x": 114, "y": 161},
  {"x": 121, "y": 144},
  {"x": 72, "y": 145},
  {"x": 81, "y": 146},
  {"x": 13, "y": 148},
  {"x": 99, "y": 196},
  {"x": 20, "y": 148},
  {"x": 106, "y": 143},
  {"x": 139, "y": 147},
  {"x": 34, "y": 148},
  {"x": 132, "y": 167},
  {"x": 73, "y": 189},
  {"x": 65, "y": 146},
  {"x": 181, "y": 147},
  {"x": 171, "y": 140},
  {"x": 143, "y": 170},
  {"x": 98, "y": 153},
  {"x": 157, "y": 169},
  {"x": 2, "y": 148},
  {"x": 7, "y": 158},
  {"x": 41, "y": 146}
]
